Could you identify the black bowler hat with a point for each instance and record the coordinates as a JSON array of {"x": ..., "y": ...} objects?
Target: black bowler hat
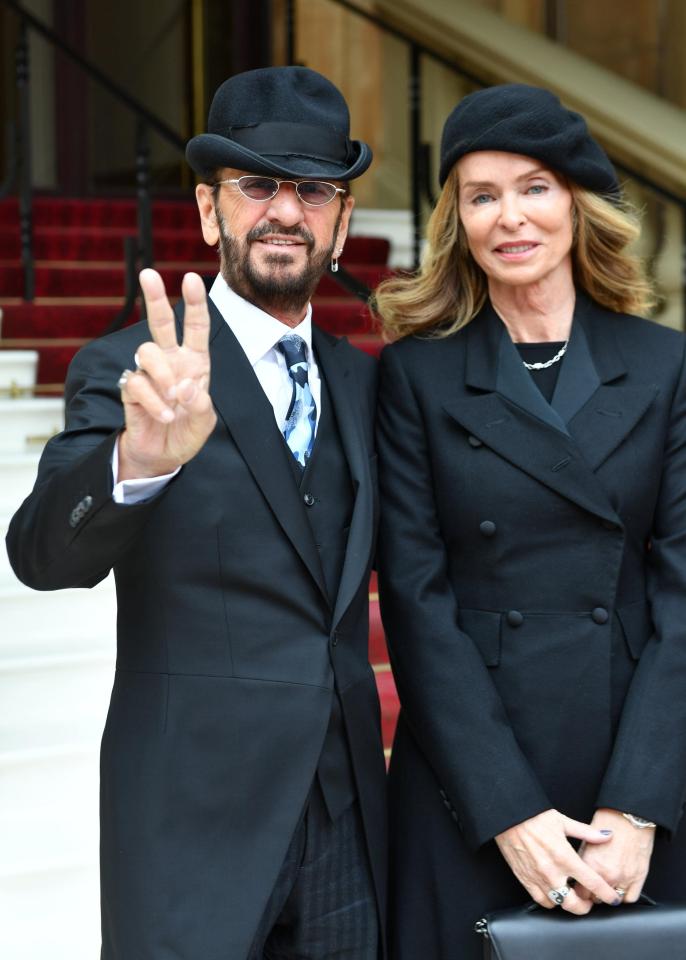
[
  {"x": 279, "y": 121},
  {"x": 517, "y": 118}
]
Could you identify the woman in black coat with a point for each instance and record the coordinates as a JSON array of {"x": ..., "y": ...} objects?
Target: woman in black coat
[{"x": 532, "y": 442}]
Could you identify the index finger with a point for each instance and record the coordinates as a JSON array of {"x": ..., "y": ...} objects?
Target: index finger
[
  {"x": 158, "y": 309},
  {"x": 196, "y": 319}
]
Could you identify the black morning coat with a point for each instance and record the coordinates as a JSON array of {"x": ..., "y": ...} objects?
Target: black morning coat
[
  {"x": 228, "y": 648},
  {"x": 532, "y": 560}
]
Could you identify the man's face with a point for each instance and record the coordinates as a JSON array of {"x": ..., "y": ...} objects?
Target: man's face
[{"x": 273, "y": 253}]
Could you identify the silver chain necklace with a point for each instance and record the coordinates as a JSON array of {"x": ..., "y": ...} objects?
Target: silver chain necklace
[{"x": 544, "y": 366}]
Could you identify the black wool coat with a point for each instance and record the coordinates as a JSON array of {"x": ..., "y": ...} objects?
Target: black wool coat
[
  {"x": 228, "y": 646},
  {"x": 533, "y": 589}
]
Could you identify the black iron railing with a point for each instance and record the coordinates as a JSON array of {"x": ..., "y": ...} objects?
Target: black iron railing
[{"x": 138, "y": 251}]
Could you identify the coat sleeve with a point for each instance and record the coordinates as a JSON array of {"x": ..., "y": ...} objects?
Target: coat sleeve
[
  {"x": 448, "y": 698},
  {"x": 646, "y": 775},
  {"x": 69, "y": 532}
]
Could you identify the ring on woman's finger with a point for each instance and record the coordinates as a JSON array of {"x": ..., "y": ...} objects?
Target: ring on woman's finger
[
  {"x": 620, "y": 891},
  {"x": 122, "y": 381},
  {"x": 558, "y": 895}
]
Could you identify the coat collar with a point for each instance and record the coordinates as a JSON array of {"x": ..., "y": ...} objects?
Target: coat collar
[
  {"x": 594, "y": 406},
  {"x": 333, "y": 357}
]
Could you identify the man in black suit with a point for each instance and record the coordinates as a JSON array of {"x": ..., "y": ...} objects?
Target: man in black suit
[{"x": 242, "y": 775}]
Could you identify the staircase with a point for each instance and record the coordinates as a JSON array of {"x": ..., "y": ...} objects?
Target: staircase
[{"x": 57, "y": 649}]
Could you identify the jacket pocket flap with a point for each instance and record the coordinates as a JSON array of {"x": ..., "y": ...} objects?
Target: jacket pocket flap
[
  {"x": 637, "y": 626},
  {"x": 483, "y": 626}
]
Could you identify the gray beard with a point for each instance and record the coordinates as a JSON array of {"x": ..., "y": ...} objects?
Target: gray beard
[{"x": 270, "y": 290}]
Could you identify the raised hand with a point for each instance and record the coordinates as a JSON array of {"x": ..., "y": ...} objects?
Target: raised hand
[
  {"x": 167, "y": 407},
  {"x": 542, "y": 859}
]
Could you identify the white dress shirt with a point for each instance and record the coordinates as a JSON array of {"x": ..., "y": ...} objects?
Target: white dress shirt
[{"x": 258, "y": 334}]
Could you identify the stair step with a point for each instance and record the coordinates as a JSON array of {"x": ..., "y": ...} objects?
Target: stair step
[
  {"x": 85, "y": 279},
  {"x": 17, "y": 371},
  {"x": 27, "y": 423},
  {"x": 182, "y": 245},
  {"x": 51, "y": 912},
  {"x": 59, "y": 616},
  {"x": 53, "y": 699},
  {"x": 18, "y": 472}
]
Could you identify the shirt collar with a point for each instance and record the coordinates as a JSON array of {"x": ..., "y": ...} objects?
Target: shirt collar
[{"x": 256, "y": 331}]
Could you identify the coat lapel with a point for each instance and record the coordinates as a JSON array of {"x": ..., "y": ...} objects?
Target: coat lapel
[
  {"x": 601, "y": 418},
  {"x": 594, "y": 408},
  {"x": 249, "y": 418},
  {"x": 333, "y": 358}
]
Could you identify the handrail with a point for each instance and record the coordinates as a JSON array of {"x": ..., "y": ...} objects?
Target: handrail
[
  {"x": 136, "y": 253},
  {"x": 117, "y": 91}
]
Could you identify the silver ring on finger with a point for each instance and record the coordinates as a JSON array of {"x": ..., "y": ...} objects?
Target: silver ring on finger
[
  {"x": 123, "y": 379},
  {"x": 558, "y": 894},
  {"x": 620, "y": 891}
]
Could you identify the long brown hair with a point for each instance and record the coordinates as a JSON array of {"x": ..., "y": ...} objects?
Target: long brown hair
[{"x": 450, "y": 288}]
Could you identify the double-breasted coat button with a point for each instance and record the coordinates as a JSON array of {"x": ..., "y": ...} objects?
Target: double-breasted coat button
[
  {"x": 308, "y": 500},
  {"x": 515, "y": 618},
  {"x": 488, "y": 528},
  {"x": 600, "y": 615},
  {"x": 474, "y": 441}
]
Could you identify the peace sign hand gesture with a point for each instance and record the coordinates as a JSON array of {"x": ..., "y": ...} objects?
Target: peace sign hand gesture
[{"x": 167, "y": 408}]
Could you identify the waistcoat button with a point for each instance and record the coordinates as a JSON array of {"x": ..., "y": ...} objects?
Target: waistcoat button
[
  {"x": 515, "y": 618},
  {"x": 488, "y": 528},
  {"x": 600, "y": 615}
]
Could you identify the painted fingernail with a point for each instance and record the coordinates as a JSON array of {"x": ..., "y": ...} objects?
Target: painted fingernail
[
  {"x": 616, "y": 903},
  {"x": 607, "y": 833}
]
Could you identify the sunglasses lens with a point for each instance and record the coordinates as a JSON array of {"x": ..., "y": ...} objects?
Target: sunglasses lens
[
  {"x": 315, "y": 192},
  {"x": 258, "y": 188}
]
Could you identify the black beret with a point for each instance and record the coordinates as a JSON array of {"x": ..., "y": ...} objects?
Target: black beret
[{"x": 517, "y": 118}]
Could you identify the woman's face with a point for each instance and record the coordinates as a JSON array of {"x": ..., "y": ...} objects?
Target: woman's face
[{"x": 517, "y": 215}]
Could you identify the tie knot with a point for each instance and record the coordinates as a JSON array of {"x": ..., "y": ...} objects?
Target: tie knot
[{"x": 294, "y": 349}]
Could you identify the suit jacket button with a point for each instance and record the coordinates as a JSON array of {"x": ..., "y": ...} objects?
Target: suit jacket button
[
  {"x": 474, "y": 441},
  {"x": 308, "y": 500},
  {"x": 488, "y": 528},
  {"x": 515, "y": 618},
  {"x": 600, "y": 615}
]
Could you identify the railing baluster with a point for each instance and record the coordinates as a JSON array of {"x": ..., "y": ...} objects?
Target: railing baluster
[
  {"x": 415, "y": 107},
  {"x": 290, "y": 31},
  {"x": 24, "y": 160},
  {"x": 143, "y": 195}
]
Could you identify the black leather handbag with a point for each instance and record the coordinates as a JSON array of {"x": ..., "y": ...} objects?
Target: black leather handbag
[{"x": 638, "y": 931}]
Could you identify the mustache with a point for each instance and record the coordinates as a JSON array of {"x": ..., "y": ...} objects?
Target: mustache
[{"x": 264, "y": 229}]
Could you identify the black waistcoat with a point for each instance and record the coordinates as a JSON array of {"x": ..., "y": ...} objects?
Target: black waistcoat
[{"x": 327, "y": 492}]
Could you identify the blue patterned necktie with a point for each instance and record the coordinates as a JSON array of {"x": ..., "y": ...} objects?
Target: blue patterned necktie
[{"x": 301, "y": 418}]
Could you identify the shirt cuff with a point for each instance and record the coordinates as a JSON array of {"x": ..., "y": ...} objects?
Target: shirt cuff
[{"x": 129, "y": 492}]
